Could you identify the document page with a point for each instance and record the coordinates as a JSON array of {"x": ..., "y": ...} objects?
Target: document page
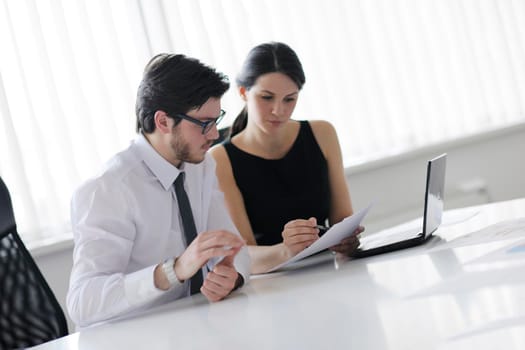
[
  {"x": 503, "y": 230},
  {"x": 513, "y": 252},
  {"x": 333, "y": 236}
]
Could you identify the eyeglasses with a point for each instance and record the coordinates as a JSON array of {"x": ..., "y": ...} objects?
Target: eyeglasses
[{"x": 207, "y": 125}]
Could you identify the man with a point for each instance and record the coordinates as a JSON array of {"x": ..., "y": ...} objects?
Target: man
[{"x": 132, "y": 223}]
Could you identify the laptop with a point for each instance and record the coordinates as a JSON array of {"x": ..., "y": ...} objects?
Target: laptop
[{"x": 384, "y": 242}]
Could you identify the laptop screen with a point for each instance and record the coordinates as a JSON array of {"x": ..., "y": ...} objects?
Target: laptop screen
[{"x": 435, "y": 190}]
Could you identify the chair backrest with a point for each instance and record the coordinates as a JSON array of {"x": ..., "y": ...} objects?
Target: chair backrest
[
  {"x": 29, "y": 312},
  {"x": 7, "y": 218}
]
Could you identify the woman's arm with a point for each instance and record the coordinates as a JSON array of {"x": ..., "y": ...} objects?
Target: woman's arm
[
  {"x": 232, "y": 194},
  {"x": 263, "y": 257},
  {"x": 340, "y": 202}
]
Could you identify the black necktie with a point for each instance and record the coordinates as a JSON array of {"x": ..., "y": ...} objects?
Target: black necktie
[{"x": 190, "y": 232}]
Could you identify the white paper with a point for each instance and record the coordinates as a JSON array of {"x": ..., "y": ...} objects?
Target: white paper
[
  {"x": 512, "y": 252},
  {"x": 333, "y": 236},
  {"x": 456, "y": 216},
  {"x": 503, "y": 230}
]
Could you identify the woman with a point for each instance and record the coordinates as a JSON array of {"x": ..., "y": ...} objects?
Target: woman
[{"x": 280, "y": 177}]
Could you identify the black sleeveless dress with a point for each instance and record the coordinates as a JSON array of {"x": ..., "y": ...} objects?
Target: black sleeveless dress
[{"x": 277, "y": 191}]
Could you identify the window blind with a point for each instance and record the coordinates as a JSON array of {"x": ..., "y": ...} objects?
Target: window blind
[{"x": 391, "y": 75}]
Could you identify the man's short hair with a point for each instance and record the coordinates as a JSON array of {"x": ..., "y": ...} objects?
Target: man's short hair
[{"x": 175, "y": 84}]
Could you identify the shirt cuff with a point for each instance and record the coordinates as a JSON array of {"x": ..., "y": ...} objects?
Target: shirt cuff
[{"x": 140, "y": 286}]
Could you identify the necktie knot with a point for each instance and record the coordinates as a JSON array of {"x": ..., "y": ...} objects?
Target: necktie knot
[{"x": 180, "y": 179}]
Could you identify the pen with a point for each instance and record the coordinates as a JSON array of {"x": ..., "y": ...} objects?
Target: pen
[{"x": 322, "y": 229}]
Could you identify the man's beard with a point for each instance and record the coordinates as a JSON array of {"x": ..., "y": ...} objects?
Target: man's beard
[{"x": 181, "y": 149}]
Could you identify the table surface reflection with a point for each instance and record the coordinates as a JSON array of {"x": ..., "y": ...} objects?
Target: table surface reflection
[{"x": 464, "y": 289}]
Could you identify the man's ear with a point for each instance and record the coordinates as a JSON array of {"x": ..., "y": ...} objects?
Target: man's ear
[
  {"x": 162, "y": 122},
  {"x": 242, "y": 92}
]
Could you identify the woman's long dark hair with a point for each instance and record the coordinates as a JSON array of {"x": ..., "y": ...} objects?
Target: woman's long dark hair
[{"x": 266, "y": 58}]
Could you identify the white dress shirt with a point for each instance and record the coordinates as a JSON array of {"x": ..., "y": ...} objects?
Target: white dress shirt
[{"x": 126, "y": 221}]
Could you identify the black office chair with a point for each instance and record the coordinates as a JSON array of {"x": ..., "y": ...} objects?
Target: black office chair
[{"x": 29, "y": 312}]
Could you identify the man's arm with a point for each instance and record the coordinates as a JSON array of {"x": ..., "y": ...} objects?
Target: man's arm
[
  {"x": 219, "y": 244},
  {"x": 104, "y": 233}
]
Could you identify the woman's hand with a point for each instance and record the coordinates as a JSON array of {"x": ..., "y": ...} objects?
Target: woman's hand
[
  {"x": 349, "y": 244},
  {"x": 300, "y": 234}
]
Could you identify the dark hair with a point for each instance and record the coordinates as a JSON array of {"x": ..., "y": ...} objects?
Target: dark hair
[
  {"x": 267, "y": 58},
  {"x": 175, "y": 84}
]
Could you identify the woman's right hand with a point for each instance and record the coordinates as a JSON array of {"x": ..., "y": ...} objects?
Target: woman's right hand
[{"x": 300, "y": 234}]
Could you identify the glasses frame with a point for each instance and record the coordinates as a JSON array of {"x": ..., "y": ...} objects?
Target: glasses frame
[{"x": 207, "y": 125}]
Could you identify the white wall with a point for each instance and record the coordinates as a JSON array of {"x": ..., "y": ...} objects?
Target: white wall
[
  {"x": 480, "y": 169},
  {"x": 55, "y": 265},
  {"x": 483, "y": 168}
]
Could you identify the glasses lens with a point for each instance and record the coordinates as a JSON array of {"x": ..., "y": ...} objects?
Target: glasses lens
[
  {"x": 207, "y": 127},
  {"x": 219, "y": 118},
  {"x": 212, "y": 123}
]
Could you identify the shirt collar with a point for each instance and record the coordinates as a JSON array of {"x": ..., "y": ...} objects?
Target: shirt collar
[{"x": 165, "y": 172}]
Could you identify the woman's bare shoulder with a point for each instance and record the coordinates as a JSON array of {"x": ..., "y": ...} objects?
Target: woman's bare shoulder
[{"x": 219, "y": 153}]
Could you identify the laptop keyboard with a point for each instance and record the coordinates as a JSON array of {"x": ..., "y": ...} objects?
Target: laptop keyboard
[{"x": 384, "y": 238}]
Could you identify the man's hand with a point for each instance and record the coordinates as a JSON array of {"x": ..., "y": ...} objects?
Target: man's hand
[
  {"x": 222, "y": 280},
  {"x": 205, "y": 246},
  {"x": 299, "y": 234}
]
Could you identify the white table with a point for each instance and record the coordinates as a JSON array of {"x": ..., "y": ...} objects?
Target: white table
[{"x": 437, "y": 296}]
